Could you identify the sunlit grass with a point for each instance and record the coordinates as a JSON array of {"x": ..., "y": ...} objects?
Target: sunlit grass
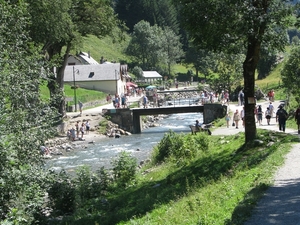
[
  {"x": 111, "y": 51},
  {"x": 220, "y": 186}
]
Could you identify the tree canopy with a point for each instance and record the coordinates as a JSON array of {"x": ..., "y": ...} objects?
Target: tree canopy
[
  {"x": 233, "y": 26},
  {"x": 58, "y": 26},
  {"x": 163, "y": 13},
  {"x": 291, "y": 72},
  {"x": 154, "y": 47},
  {"x": 26, "y": 122}
]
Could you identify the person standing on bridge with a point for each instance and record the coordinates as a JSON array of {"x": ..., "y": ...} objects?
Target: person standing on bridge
[
  {"x": 145, "y": 101},
  {"x": 155, "y": 99}
]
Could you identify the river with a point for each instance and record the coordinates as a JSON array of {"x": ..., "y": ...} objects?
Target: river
[{"x": 139, "y": 145}]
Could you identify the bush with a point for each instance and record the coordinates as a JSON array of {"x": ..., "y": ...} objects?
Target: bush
[
  {"x": 201, "y": 141},
  {"x": 179, "y": 147},
  {"x": 62, "y": 194},
  {"x": 124, "y": 168}
]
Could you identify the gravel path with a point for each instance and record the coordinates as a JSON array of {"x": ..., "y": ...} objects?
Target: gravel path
[{"x": 281, "y": 202}]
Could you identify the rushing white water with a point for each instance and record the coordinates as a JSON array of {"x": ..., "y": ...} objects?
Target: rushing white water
[{"x": 139, "y": 145}]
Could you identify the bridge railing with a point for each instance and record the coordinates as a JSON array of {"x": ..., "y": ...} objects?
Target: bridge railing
[{"x": 186, "y": 101}]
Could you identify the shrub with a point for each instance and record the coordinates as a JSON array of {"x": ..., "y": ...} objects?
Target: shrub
[
  {"x": 201, "y": 141},
  {"x": 179, "y": 148},
  {"x": 124, "y": 168},
  {"x": 62, "y": 194}
]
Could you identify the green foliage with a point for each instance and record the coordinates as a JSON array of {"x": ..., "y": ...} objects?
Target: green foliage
[
  {"x": 237, "y": 28},
  {"x": 78, "y": 195},
  {"x": 137, "y": 71},
  {"x": 291, "y": 72},
  {"x": 62, "y": 194},
  {"x": 106, "y": 48},
  {"x": 58, "y": 26},
  {"x": 84, "y": 95},
  {"x": 26, "y": 122},
  {"x": 179, "y": 148},
  {"x": 201, "y": 141},
  {"x": 124, "y": 169},
  {"x": 154, "y": 47},
  {"x": 162, "y": 13},
  {"x": 266, "y": 63}
]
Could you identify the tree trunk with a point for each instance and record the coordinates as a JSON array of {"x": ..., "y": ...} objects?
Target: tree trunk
[
  {"x": 60, "y": 81},
  {"x": 249, "y": 67},
  {"x": 56, "y": 85}
]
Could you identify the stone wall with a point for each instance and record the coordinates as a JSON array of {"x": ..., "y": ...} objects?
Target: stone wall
[
  {"x": 122, "y": 117},
  {"x": 213, "y": 112}
]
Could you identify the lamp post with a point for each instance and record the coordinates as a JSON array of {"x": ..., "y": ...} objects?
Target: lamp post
[
  {"x": 74, "y": 86},
  {"x": 116, "y": 77}
]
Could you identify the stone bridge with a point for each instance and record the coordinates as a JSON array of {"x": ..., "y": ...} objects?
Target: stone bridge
[{"x": 130, "y": 119}]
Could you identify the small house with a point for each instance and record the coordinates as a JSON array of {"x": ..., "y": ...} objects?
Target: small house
[
  {"x": 151, "y": 76},
  {"x": 102, "y": 77}
]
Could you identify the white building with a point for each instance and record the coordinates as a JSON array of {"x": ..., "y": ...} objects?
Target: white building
[
  {"x": 85, "y": 72},
  {"x": 151, "y": 76}
]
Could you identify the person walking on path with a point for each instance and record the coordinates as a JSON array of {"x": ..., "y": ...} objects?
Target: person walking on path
[
  {"x": 255, "y": 113},
  {"x": 243, "y": 116},
  {"x": 259, "y": 114},
  {"x": 268, "y": 115},
  {"x": 297, "y": 118},
  {"x": 281, "y": 117},
  {"x": 236, "y": 118},
  {"x": 241, "y": 97},
  {"x": 108, "y": 98},
  {"x": 80, "y": 107},
  {"x": 77, "y": 129},
  {"x": 271, "y": 107},
  {"x": 227, "y": 118},
  {"x": 82, "y": 130},
  {"x": 124, "y": 101}
]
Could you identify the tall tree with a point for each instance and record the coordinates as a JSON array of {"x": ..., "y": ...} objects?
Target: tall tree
[
  {"x": 266, "y": 63},
  {"x": 154, "y": 47},
  {"x": 58, "y": 27},
  {"x": 160, "y": 12},
  {"x": 291, "y": 72},
  {"x": 25, "y": 121},
  {"x": 172, "y": 47},
  {"x": 229, "y": 25}
]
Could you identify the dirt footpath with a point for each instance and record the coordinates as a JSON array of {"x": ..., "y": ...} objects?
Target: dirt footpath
[{"x": 281, "y": 202}]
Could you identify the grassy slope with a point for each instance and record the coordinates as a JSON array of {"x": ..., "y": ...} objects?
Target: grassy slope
[{"x": 107, "y": 48}]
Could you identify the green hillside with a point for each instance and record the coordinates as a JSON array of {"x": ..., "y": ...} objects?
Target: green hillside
[{"x": 106, "y": 47}]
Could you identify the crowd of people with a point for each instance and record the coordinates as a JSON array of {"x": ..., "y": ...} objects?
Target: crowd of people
[{"x": 280, "y": 116}]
